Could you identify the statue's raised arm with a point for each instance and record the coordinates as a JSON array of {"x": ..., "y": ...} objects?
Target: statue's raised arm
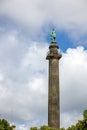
[{"x": 53, "y": 35}]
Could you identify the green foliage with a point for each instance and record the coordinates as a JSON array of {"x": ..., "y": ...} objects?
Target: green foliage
[
  {"x": 85, "y": 114},
  {"x": 33, "y": 128},
  {"x": 4, "y": 125},
  {"x": 1, "y": 127},
  {"x": 62, "y": 128},
  {"x": 45, "y": 128}
]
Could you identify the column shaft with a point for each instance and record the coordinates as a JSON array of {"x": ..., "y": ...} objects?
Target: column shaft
[{"x": 53, "y": 95}]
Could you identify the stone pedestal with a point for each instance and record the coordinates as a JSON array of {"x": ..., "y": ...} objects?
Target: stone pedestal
[{"x": 53, "y": 92}]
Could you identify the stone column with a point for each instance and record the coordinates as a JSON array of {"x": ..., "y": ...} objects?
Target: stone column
[{"x": 53, "y": 91}]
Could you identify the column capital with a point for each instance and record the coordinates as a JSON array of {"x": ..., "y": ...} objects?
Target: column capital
[{"x": 53, "y": 52}]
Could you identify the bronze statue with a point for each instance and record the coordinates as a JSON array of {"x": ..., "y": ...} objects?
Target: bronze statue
[{"x": 53, "y": 35}]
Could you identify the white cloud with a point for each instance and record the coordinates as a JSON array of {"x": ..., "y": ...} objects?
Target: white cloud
[
  {"x": 23, "y": 82},
  {"x": 22, "y": 127},
  {"x": 69, "y": 15},
  {"x": 73, "y": 73}
]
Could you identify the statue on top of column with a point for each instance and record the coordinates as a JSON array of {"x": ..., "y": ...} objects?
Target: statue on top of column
[{"x": 53, "y": 35}]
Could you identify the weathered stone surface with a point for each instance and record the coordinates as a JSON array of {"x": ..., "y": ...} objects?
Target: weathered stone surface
[{"x": 53, "y": 92}]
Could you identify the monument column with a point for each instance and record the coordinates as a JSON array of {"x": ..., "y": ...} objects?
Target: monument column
[{"x": 53, "y": 92}]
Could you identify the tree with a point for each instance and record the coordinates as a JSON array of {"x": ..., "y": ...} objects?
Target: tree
[
  {"x": 4, "y": 125},
  {"x": 85, "y": 114}
]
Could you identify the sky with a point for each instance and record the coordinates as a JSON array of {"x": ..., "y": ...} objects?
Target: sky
[{"x": 25, "y": 27}]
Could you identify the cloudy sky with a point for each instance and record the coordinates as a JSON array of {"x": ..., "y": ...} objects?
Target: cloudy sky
[{"x": 24, "y": 40}]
